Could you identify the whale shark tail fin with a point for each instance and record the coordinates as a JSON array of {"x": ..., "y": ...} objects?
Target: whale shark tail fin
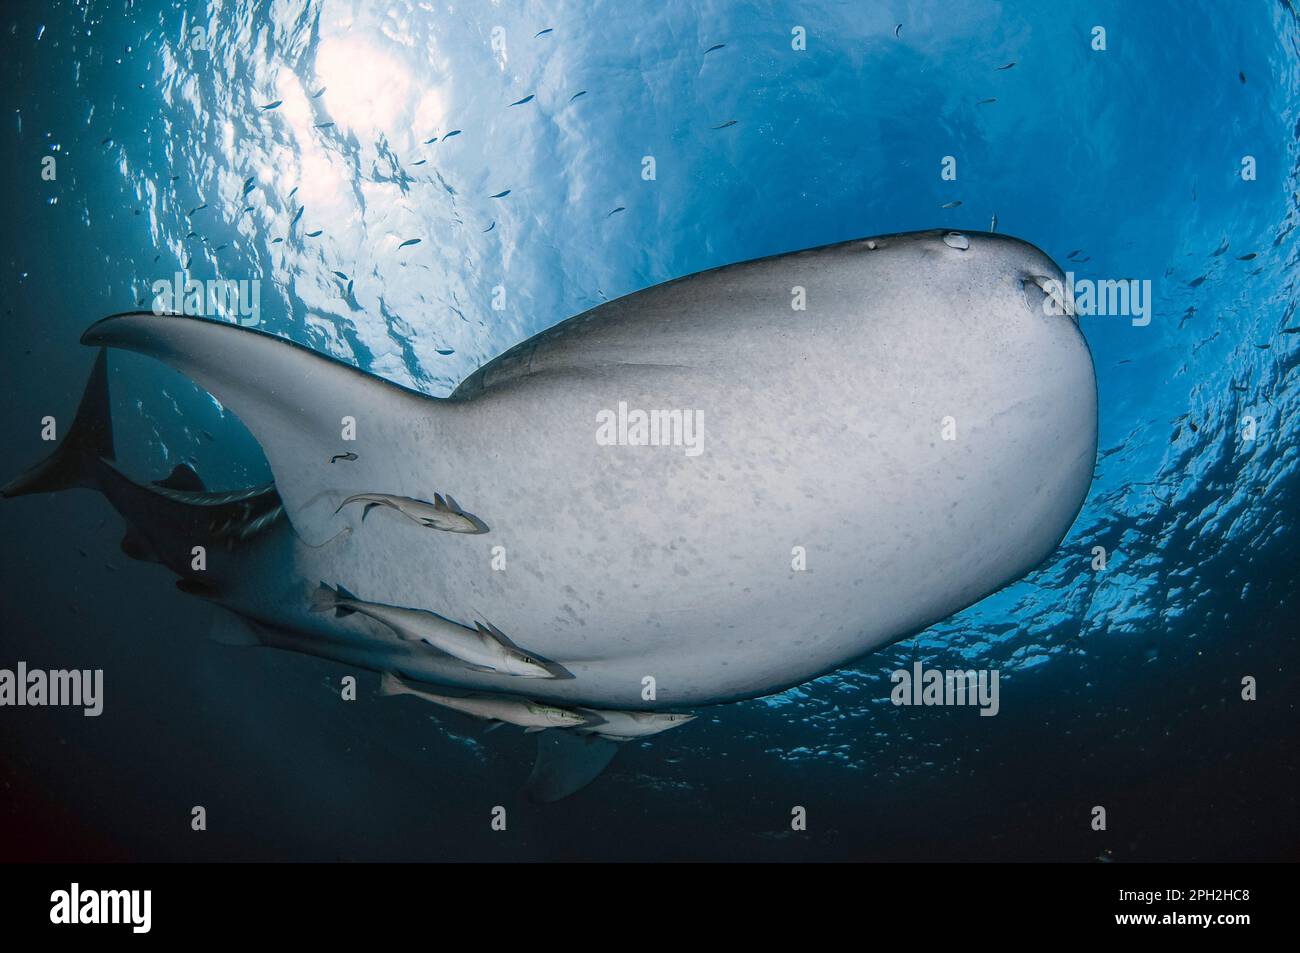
[
  {"x": 90, "y": 438},
  {"x": 566, "y": 763}
]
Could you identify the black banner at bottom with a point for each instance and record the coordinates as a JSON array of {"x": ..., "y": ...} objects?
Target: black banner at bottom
[{"x": 340, "y": 902}]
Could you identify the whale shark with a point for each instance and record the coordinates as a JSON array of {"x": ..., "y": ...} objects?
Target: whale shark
[{"x": 883, "y": 432}]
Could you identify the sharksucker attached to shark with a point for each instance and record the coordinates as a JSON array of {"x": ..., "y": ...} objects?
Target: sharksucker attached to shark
[
  {"x": 483, "y": 647},
  {"x": 626, "y": 725},
  {"x": 443, "y": 513},
  {"x": 923, "y": 408},
  {"x": 530, "y": 715}
]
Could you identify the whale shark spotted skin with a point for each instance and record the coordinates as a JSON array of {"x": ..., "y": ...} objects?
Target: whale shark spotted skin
[{"x": 918, "y": 437}]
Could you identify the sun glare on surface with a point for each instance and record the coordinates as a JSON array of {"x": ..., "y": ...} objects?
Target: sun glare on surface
[{"x": 369, "y": 90}]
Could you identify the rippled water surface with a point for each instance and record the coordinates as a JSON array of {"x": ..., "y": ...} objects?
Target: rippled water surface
[{"x": 391, "y": 171}]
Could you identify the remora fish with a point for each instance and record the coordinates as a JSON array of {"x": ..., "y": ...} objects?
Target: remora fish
[
  {"x": 529, "y": 715},
  {"x": 625, "y": 725},
  {"x": 484, "y": 646},
  {"x": 443, "y": 513},
  {"x": 641, "y": 557}
]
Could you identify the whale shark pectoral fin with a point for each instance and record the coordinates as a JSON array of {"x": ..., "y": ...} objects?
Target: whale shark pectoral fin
[
  {"x": 566, "y": 763},
  {"x": 293, "y": 400}
]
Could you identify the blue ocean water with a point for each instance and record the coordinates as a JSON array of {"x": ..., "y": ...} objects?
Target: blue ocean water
[{"x": 188, "y": 137}]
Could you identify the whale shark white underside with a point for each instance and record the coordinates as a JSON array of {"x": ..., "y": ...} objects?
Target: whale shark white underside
[{"x": 920, "y": 435}]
